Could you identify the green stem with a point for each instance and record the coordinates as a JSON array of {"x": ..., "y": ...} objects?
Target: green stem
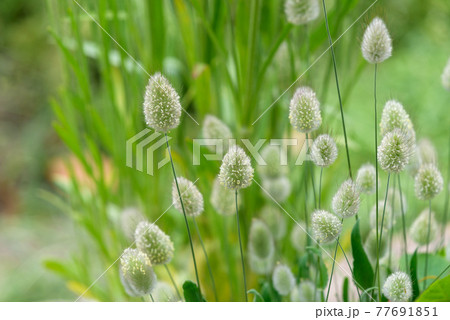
[
  {"x": 440, "y": 275},
  {"x": 332, "y": 269},
  {"x": 428, "y": 244},
  {"x": 403, "y": 225},
  {"x": 173, "y": 282},
  {"x": 381, "y": 236},
  {"x": 151, "y": 297},
  {"x": 376, "y": 177},
  {"x": 447, "y": 186},
  {"x": 350, "y": 266},
  {"x": 184, "y": 212},
  {"x": 320, "y": 185},
  {"x": 391, "y": 230},
  {"x": 240, "y": 247},
  {"x": 311, "y": 172}
]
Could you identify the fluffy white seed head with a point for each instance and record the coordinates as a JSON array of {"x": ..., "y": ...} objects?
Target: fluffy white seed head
[
  {"x": 377, "y": 43},
  {"x": 192, "y": 198},
  {"x": 371, "y": 245},
  {"x": 136, "y": 273},
  {"x": 283, "y": 279},
  {"x": 129, "y": 219},
  {"x": 304, "y": 110},
  {"x": 271, "y": 154},
  {"x": 163, "y": 292},
  {"x": 324, "y": 151},
  {"x": 301, "y": 11},
  {"x": 426, "y": 152},
  {"x": 394, "y": 116},
  {"x": 261, "y": 248},
  {"x": 298, "y": 238},
  {"x": 213, "y": 128},
  {"x": 162, "y": 108},
  {"x": 428, "y": 182},
  {"x": 222, "y": 199},
  {"x": 388, "y": 222},
  {"x": 279, "y": 188},
  {"x": 419, "y": 228},
  {"x": 326, "y": 226},
  {"x": 395, "y": 150},
  {"x": 275, "y": 220},
  {"x": 446, "y": 76},
  {"x": 346, "y": 200},
  {"x": 398, "y": 287},
  {"x": 236, "y": 171},
  {"x": 304, "y": 292},
  {"x": 366, "y": 179},
  {"x": 152, "y": 241}
]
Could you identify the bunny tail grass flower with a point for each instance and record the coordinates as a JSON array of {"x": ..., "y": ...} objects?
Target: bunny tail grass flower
[
  {"x": 324, "y": 151},
  {"x": 152, "y": 241},
  {"x": 192, "y": 198},
  {"x": 446, "y": 76},
  {"x": 371, "y": 246},
  {"x": 163, "y": 292},
  {"x": 346, "y": 201},
  {"x": 365, "y": 178},
  {"x": 213, "y": 128},
  {"x": 395, "y": 151},
  {"x": 275, "y": 220},
  {"x": 278, "y": 188},
  {"x": 389, "y": 221},
  {"x": 426, "y": 152},
  {"x": 419, "y": 228},
  {"x": 304, "y": 110},
  {"x": 236, "y": 171},
  {"x": 298, "y": 238},
  {"x": 272, "y": 168},
  {"x": 428, "y": 182},
  {"x": 261, "y": 248},
  {"x": 377, "y": 43},
  {"x": 222, "y": 199},
  {"x": 129, "y": 219},
  {"x": 283, "y": 279},
  {"x": 136, "y": 273},
  {"x": 326, "y": 226},
  {"x": 398, "y": 287},
  {"x": 301, "y": 11},
  {"x": 162, "y": 108},
  {"x": 305, "y": 292},
  {"x": 395, "y": 116}
]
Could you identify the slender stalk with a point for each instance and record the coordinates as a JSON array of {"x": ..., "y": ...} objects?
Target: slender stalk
[
  {"x": 151, "y": 297},
  {"x": 391, "y": 230},
  {"x": 173, "y": 281},
  {"x": 311, "y": 173},
  {"x": 447, "y": 191},
  {"x": 320, "y": 185},
  {"x": 305, "y": 179},
  {"x": 316, "y": 276},
  {"x": 403, "y": 225},
  {"x": 206, "y": 258},
  {"x": 428, "y": 244},
  {"x": 440, "y": 274},
  {"x": 376, "y": 178},
  {"x": 332, "y": 269},
  {"x": 350, "y": 267},
  {"x": 240, "y": 247},
  {"x": 184, "y": 212}
]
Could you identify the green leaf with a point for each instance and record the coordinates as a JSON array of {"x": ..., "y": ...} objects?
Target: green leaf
[
  {"x": 191, "y": 292},
  {"x": 258, "y": 297},
  {"x": 437, "y": 292},
  {"x": 345, "y": 290},
  {"x": 413, "y": 274},
  {"x": 362, "y": 270}
]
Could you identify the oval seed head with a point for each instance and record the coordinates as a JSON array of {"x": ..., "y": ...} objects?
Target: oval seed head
[
  {"x": 152, "y": 241},
  {"x": 298, "y": 237},
  {"x": 213, "y": 128},
  {"x": 162, "y": 108},
  {"x": 129, "y": 220},
  {"x": 275, "y": 220},
  {"x": 419, "y": 228},
  {"x": 304, "y": 110},
  {"x": 261, "y": 248},
  {"x": 278, "y": 188},
  {"x": 395, "y": 116},
  {"x": 236, "y": 171},
  {"x": 395, "y": 151},
  {"x": 398, "y": 287},
  {"x": 301, "y": 11},
  {"x": 371, "y": 245},
  {"x": 272, "y": 157},
  {"x": 323, "y": 151},
  {"x": 163, "y": 292},
  {"x": 428, "y": 182},
  {"x": 283, "y": 279},
  {"x": 377, "y": 43},
  {"x": 426, "y": 153},
  {"x": 192, "y": 198},
  {"x": 136, "y": 273},
  {"x": 446, "y": 76},
  {"x": 326, "y": 226},
  {"x": 366, "y": 178},
  {"x": 222, "y": 199},
  {"x": 388, "y": 222},
  {"x": 304, "y": 292},
  {"x": 346, "y": 201}
]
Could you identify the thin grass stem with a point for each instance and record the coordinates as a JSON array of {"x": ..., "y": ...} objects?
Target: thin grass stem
[
  {"x": 173, "y": 281},
  {"x": 428, "y": 244},
  {"x": 403, "y": 225},
  {"x": 320, "y": 185},
  {"x": 377, "y": 276},
  {"x": 240, "y": 247},
  {"x": 350, "y": 267},
  {"x": 332, "y": 269},
  {"x": 151, "y": 297},
  {"x": 447, "y": 195}
]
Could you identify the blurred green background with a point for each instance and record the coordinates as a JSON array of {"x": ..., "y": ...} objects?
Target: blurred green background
[{"x": 36, "y": 74}]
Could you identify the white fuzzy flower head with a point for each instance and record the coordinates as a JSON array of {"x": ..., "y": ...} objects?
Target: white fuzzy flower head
[
  {"x": 129, "y": 219},
  {"x": 326, "y": 226},
  {"x": 419, "y": 228},
  {"x": 162, "y": 108},
  {"x": 192, "y": 198},
  {"x": 371, "y": 245},
  {"x": 275, "y": 220},
  {"x": 222, "y": 199},
  {"x": 377, "y": 43},
  {"x": 298, "y": 238},
  {"x": 261, "y": 248},
  {"x": 389, "y": 220},
  {"x": 395, "y": 150},
  {"x": 395, "y": 116},
  {"x": 213, "y": 128},
  {"x": 136, "y": 273},
  {"x": 272, "y": 168},
  {"x": 278, "y": 188},
  {"x": 301, "y": 11},
  {"x": 346, "y": 200},
  {"x": 152, "y": 241},
  {"x": 236, "y": 171},
  {"x": 428, "y": 182},
  {"x": 283, "y": 279},
  {"x": 426, "y": 152},
  {"x": 304, "y": 110},
  {"x": 304, "y": 292},
  {"x": 163, "y": 292},
  {"x": 446, "y": 76},
  {"x": 398, "y": 287},
  {"x": 324, "y": 151},
  {"x": 366, "y": 179}
]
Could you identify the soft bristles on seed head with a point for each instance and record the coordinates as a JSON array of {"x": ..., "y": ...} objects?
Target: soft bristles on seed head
[
  {"x": 222, "y": 199},
  {"x": 304, "y": 292},
  {"x": 274, "y": 220},
  {"x": 162, "y": 108},
  {"x": 398, "y": 287},
  {"x": 236, "y": 171},
  {"x": 261, "y": 248},
  {"x": 371, "y": 245},
  {"x": 377, "y": 43},
  {"x": 191, "y": 196},
  {"x": 326, "y": 226},
  {"x": 395, "y": 150},
  {"x": 163, "y": 292},
  {"x": 152, "y": 241},
  {"x": 324, "y": 151},
  {"x": 304, "y": 110},
  {"x": 283, "y": 279},
  {"x": 346, "y": 200},
  {"x": 298, "y": 237},
  {"x": 365, "y": 179},
  {"x": 272, "y": 156},
  {"x": 428, "y": 182},
  {"x": 278, "y": 188},
  {"x": 395, "y": 116},
  {"x": 446, "y": 76},
  {"x": 419, "y": 228},
  {"x": 129, "y": 219},
  {"x": 136, "y": 273},
  {"x": 213, "y": 128},
  {"x": 301, "y": 11}
]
